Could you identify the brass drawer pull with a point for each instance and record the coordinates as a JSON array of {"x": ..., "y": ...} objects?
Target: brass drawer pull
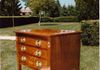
[
  {"x": 23, "y": 40},
  {"x": 23, "y": 48},
  {"x": 49, "y": 45},
  {"x": 23, "y": 58},
  {"x": 38, "y": 43},
  {"x": 38, "y": 64},
  {"x": 38, "y": 53}
]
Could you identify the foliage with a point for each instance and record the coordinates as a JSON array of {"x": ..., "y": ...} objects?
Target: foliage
[
  {"x": 46, "y": 19},
  {"x": 71, "y": 11},
  {"x": 59, "y": 7},
  {"x": 87, "y": 9},
  {"x": 18, "y": 20},
  {"x": 54, "y": 12},
  {"x": 68, "y": 11},
  {"x": 64, "y": 10},
  {"x": 66, "y": 19},
  {"x": 50, "y": 7},
  {"x": 90, "y": 33},
  {"x": 9, "y": 8},
  {"x": 16, "y": 9},
  {"x": 35, "y": 5},
  {"x": 60, "y": 19}
]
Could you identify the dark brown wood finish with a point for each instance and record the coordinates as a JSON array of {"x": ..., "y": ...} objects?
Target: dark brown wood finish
[{"x": 48, "y": 49}]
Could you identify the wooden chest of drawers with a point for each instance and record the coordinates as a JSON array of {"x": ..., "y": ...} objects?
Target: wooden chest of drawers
[{"x": 46, "y": 49}]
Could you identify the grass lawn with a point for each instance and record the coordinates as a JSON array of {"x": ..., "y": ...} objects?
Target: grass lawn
[
  {"x": 89, "y": 54},
  {"x": 10, "y": 30}
]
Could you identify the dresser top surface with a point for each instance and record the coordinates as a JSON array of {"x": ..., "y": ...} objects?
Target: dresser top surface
[{"x": 46, "y": 32}]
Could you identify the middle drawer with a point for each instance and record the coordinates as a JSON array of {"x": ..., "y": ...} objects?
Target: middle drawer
[{"x": 33, "y": 51}]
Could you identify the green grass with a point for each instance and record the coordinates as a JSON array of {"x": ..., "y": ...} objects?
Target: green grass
[
  {"x": 10, "y": 30},
  {"x": 89, "y": 54},
  {"x": 89, "y": 57}
]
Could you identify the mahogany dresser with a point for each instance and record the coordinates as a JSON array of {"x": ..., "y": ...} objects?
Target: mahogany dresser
[{"x": 47, "y": 49}]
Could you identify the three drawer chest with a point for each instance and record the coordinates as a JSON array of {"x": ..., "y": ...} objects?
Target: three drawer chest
[{"x": 48, "y": 49}]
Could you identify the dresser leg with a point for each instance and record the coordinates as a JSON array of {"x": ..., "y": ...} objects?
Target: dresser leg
[{"x": 19, "y": 67}]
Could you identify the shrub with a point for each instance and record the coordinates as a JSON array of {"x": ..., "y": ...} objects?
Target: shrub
[
  {"x": 66, "y": 19},
  {"x": 90, "y": 33},
  {"x": 60, "y": 19},
  {"x": 46, "y": 19},
  {"x": 7, "y": 21}
]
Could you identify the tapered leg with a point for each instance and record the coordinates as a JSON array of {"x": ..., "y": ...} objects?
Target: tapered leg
[{"x": 19, "y": 67}]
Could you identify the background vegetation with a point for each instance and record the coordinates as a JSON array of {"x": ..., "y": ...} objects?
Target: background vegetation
[
  {"x": 9, "y": 8},
  {"x": 84, "y": 9},
  {"x": 90, "y": 32},
  {"x": 10, "y": 21}
]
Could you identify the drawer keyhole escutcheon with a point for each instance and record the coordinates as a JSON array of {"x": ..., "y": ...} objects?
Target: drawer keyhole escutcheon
[
  {"x": 23, "y": 40},
  {"x": 38, "y": 64},
  {"x": 23, "y": 58},
  {"x": 23, "y": 48},
  {"x": 38, "y": 53},
  {"x": 38, "y": 43}
]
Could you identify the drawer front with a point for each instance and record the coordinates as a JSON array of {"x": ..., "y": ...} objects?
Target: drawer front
[
  {"x": 34, "y": 42},
  {"x": 33, "y": 51},
  {"x": 33, "y": 62}
]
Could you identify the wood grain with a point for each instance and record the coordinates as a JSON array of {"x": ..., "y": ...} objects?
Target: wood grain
[{"x": 48, "y": 49}]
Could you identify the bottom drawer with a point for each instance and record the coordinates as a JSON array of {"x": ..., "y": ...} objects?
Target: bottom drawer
[{"x": 33, "y": 62}]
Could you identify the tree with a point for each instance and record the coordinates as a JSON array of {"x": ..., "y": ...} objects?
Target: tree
[
  {"x": 93, "y": 6},
  {"x": 54, "y": 11},
  {"x": 16, "y": 8},
  {"x": 64, "y": 10},
  {"x": 36, "y": 5},
  {"x": 71, "y": 11},
  {"x": 87, "y": 9},
  {"x": 52, "y": 8},
  {"x": 48, "y": 6},
  {"x": 59, "y": 7},
  {"x": 9, "y": 8}
]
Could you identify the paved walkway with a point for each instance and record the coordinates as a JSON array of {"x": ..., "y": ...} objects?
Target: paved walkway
[{"x": 7, "y": 38}]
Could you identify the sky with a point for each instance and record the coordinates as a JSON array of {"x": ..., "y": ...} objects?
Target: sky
[
  {"x": 62, "y": 2},
  {"x": 67, "y": 2}
]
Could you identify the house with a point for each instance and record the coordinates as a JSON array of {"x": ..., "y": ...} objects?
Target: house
[{"x": 26, "y": 11}]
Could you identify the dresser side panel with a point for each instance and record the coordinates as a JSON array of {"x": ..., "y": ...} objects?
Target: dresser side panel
[
  {"x": 65, "y": 52},
  {"x": 70, "y": 50}
]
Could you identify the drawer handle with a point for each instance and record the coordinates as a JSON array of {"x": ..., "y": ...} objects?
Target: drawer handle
[
  {"x": 38, "y": 43},
  {"x": 38, "y": 53},
  {"x": 23, "y": 48},
  {"x": 49, "y": 45},
  {"x": 23, "y": 40},
  {"x": 23, "y": 58},
  {"x": 38, "y": 64}
]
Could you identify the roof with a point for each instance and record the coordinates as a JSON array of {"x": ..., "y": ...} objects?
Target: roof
[{"x": 26, "y": 9}]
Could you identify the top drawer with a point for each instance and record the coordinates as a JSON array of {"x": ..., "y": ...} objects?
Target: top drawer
[{"x": 37, "y": 42}]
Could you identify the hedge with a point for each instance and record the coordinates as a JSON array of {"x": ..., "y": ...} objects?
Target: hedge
[
  {"x": 46, "y": 19},
  {"x": 7, "y": 21},
  {"x": 90, "y": 33},
  {"x": 66, "y": 19},
  {"x": 60, "y": 19}
]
